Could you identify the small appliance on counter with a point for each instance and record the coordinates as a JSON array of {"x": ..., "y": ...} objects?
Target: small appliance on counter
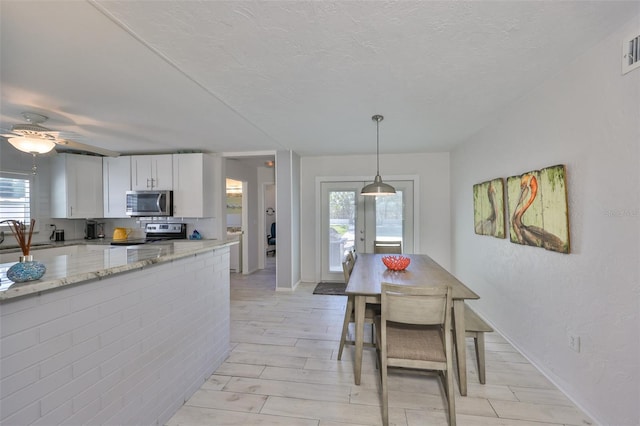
[
  {"x": 57, "y": 234},
  {"x": 101, "y": 230},
  {"x": 120, "y": 234},
  {"x": 156, "y": 232},
  {"x": 90, "y": 230}
]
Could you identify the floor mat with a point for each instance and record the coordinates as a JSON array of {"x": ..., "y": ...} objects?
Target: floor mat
[{"x": 335, "y": 289}]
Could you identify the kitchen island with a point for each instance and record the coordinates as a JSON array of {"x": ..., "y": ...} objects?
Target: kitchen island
[{"x": 117, "y": 335}]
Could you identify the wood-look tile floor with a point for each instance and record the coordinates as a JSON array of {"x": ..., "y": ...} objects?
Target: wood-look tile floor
[{"x": 283, "y": 370}]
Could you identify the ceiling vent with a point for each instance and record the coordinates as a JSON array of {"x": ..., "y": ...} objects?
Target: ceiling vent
[{"x": 630, "y": 53}]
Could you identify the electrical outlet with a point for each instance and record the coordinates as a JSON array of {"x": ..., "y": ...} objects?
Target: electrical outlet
[{"x": 574, "y": 343}]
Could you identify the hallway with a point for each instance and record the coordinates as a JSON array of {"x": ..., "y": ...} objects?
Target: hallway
[{"x": 283, "y": 371}]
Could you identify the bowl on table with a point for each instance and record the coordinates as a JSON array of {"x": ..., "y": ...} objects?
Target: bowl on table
[{"x": 396, "y": 263}]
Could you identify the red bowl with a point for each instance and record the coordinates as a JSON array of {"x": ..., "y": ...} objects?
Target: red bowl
[{"x": 396, "y": 263}]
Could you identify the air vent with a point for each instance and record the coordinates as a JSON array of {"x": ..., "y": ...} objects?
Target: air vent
[{"x": 631, "y": 53}]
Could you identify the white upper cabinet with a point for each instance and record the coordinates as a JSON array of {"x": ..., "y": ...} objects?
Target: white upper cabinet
[
  {"x": 151, "y": 172},
  {"x": 194, "y": 185},
  {"x": 116, "y": 181},
  {"x": 76, "y": 186}
]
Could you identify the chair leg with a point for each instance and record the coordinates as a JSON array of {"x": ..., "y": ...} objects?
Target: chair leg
[
  {"x": 479, "y": 344},
  {"x": 345, "y": 325},
  {"x": 385, "y": 395},
  {"x": 451, "y": 398}
]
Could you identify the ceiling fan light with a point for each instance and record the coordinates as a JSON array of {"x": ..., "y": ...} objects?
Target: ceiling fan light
[{"x": 32, "y": 145}]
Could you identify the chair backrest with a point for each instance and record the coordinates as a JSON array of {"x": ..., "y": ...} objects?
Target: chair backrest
[
  {"x": 389, "y": 247},
  {"x": 351, "y": 256},
  {"x": 273, "y": 230},
  {"x": 347, "y": 267},
  {"x": 416, "y": 304}
]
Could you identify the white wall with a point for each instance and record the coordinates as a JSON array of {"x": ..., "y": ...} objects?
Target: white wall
[
  {"x": 588, "y": 118},
  {"x": 288, "y": 212},
  {"x": 432, "y": 172}
]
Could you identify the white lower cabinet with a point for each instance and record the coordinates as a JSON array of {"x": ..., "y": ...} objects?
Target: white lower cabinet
[
  {"x": 194, "y": 185},
  {"x": 116, "y": 181},
  {"x": 76, "y": 186}
]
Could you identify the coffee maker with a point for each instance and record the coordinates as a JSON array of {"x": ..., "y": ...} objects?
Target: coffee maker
[{"x": 91, "y": 230}]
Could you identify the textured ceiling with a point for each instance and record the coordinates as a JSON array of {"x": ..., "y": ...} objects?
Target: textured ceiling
[{"x": 239, "y": 76}]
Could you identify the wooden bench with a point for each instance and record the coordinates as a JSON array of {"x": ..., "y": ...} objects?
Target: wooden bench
[{"x": 476, "y": 327}]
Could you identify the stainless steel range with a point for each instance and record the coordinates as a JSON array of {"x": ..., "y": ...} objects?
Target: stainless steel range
[{"x": 156, "y": 232}]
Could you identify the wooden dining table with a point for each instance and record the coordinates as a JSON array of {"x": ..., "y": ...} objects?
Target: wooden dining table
[{"x": 365, "y": 284}]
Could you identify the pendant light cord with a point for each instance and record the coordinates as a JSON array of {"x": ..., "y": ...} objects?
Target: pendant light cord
[
  {"x": 377, "y": 118},
  {"x": 377, "y": 147}
]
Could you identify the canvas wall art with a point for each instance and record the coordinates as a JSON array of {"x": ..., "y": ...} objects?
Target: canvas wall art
[
  {"x": 538, "y": 209},
  {"x": 488, "y": 208}
]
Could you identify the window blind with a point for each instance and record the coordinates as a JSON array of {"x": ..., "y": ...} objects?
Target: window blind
[{"x": 15, "y": 197}]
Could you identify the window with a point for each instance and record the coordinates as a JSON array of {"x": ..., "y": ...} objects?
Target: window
[{"x": 16, "y": 191}]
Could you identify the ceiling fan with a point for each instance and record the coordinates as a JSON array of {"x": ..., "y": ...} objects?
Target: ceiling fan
[{"x": 31, "y": 137}]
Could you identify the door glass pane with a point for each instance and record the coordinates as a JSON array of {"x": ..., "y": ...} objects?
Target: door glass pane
[
  {"x": 389, "y": 223},
  {"x": 342, "y": 214}
]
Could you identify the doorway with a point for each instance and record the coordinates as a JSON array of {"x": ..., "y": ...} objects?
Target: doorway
[
  {"x": 270, "y": 226},
  {"x": 236, "y": 218},
  {"x": 352, "y": 221}
]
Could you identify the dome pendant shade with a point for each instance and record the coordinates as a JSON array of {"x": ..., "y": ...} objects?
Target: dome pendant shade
[{"x": 378, "y": 187}]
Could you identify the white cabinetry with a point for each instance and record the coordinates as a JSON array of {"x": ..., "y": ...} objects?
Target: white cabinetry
[
  {"x": 151, "y": 172},
  {"x": 76, "y": 186},
  {"x": 194, "y": 185},
  {"x": 235, "y": 254},
  {"x": 116, "y": 181}
]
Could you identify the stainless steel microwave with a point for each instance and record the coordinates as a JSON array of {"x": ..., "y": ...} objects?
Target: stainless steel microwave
[{"x": 149, "y": 203}]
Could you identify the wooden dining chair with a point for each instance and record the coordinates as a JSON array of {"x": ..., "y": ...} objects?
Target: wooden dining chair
[
  {"x": 370, "y": 311},
  {"x": 387, "y": 247},
  {"x": 414, "y": 332}
]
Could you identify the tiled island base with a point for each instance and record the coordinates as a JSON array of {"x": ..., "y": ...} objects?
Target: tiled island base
[{"x": 127, "y": 349}]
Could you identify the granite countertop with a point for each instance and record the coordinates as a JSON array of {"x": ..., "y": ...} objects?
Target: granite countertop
[
  {"x": 14, "y": 248},
  {"x": 70, "y": 263}
]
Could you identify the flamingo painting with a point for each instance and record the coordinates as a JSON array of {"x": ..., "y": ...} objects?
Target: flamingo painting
[
  {"x": 488, "y": 204},
  {"x": 538, "y": 209}
]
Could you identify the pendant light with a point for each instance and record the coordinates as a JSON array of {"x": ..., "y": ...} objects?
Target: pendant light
[{"x": 378, "y": 187}]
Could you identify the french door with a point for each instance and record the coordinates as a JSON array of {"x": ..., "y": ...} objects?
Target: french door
[{"x": 353, "y": 221}]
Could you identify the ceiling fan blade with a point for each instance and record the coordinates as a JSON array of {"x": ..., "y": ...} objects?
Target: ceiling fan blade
[
  {"x": 73, "y": 146},
  {"x": 7, "y": 133}
]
